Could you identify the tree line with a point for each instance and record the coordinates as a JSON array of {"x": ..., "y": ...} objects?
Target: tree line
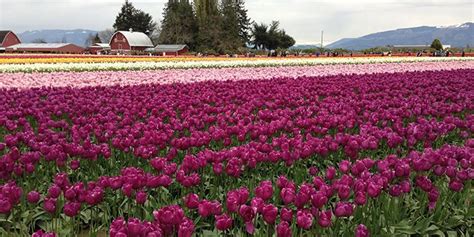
[{"x": 208, "y": 26}]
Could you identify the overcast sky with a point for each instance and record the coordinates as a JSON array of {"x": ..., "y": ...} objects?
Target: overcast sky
[{"x": 303, "y": 19}]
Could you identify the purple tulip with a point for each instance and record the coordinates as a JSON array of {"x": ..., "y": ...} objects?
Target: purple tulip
[
  {"x": 287, "y": 195},
  {"x": 141, "y": 197},
  {"x": 284, "y": 229},
  {"x": 324, "y": 219},
  {"x": 270, "y": 213},
  {"x": 304, "y": 219},
  {"x": 286, "y": 214},
  {"x": 71, "y": 209},
  {"x": 33, "y": 197},
  {"x": 362, "y": 231},
  {"x": 223, "y": 222}
]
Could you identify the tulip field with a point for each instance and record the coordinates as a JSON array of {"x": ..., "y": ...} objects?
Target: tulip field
[{"x": 236, "y": 147}]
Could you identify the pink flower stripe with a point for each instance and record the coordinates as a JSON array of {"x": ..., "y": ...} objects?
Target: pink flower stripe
[{"x": 123, "y": 78}]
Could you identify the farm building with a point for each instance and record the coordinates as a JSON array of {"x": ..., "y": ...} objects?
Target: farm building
[
  {"x": 64, "y": 48},
  {"x": 99, "y": 48},
  {"x": 8, "y": 38},
  {"x": 128, "y": 42},
  {"x": 171, "y": 49}
]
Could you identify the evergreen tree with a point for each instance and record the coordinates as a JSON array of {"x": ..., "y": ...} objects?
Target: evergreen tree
[
  {"x": 132, "y": 18},
  {"x": 92, "y": 39},
  {"x": 97, "y": 39},
  {"x": 230, "y": 33},
  {"x": 178, "y": 24},
  {"x": 436, "y": 44},
  {"x": 244, "y": 21},
  {"x": 209, "y": 26}
]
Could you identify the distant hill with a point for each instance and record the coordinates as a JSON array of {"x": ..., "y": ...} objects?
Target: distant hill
[
  {"x": 456, "y": 36},
  {"x": 78, "y": 36},
  {"x": 304, "y": 46}
]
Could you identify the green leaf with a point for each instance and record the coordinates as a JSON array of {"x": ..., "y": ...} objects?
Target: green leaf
[
  {"x": 208, "y": 233},
  {"x": 452, "y": 233}
]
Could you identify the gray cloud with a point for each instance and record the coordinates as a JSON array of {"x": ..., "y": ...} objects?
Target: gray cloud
[{"x": 303, "y": 19}]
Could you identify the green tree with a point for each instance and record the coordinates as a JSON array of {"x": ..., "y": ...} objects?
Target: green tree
[
  {"x": 436, "y": 44},
  {"x": 270, "y": 37},
  {"x": 97, "y": 39},
  {"x": 178, "y": 24},
  {"x": 132, "y": 18},
  {"x": 209, "y": 26},
  {"x": 92, "y": 39},
  {"x": 230, "y": 33},
  {"x": 273, "y": 38},
  {"x": 259, "y": 36},
  {"x": 285, "y": 41},
  {"x": 244, "y": 21}
]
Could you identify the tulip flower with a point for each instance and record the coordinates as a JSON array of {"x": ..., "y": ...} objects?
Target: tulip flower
[
  {"x": 33, "y": 197},
  {"x": 270, "y": 213},
  {"x": 223, "y": 222},
  {"x": 287, "y": 195},
  {"x": 304, "y": 219},
  {"x": 362, "y": 231},
  {"x": 324, "y": 219},
  {"x": 284, "y": 229}
]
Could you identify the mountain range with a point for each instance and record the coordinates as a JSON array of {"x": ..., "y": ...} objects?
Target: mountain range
[
  {"x": 456, "y": 36},
  {"x": 77, "y": 36}
]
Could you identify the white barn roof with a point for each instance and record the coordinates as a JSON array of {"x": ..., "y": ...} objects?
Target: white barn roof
[
  {"x": 167, "y": 48},
  {"x": 103, "y": 45},
  {"x": 135, "y": 39}
]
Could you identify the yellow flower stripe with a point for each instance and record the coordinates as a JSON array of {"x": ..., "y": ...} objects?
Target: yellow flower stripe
[{"x": 7, "y": 59}]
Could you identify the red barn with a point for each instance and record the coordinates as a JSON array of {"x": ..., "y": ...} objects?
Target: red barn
[
  {"x": 63, "y": 48},
  {"x": 171, "y": 49},
  {"x": 99, "y": 48},
  {"x": 8, "y": 38},
  {"x": 128, "y": 42}
]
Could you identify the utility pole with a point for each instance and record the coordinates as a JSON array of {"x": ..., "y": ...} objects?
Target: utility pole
[{"x": 322, "y": 38}]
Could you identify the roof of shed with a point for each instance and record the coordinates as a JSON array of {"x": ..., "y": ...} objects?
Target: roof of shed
[
  {"x": 170, "y": 47},
  {"x": 41, "y": 45}
]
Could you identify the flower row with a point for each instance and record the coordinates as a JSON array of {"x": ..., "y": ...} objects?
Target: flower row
[
  {"x": 329, "y": 193},
  {"x": 52, "y": 59},
  {"x": 167, "y": 64},
  {"x": 314, "y": 201},
  {"x": 224, "y": 121},
  {"x": 171, "y": 76}
]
